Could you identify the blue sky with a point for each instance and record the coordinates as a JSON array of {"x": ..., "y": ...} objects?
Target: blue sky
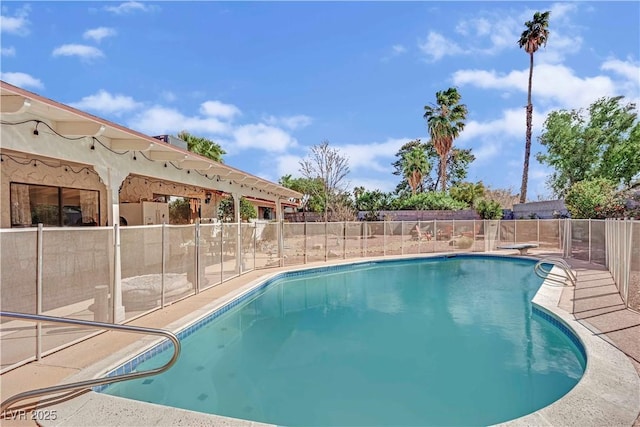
[{"x": 267, "y": 80}]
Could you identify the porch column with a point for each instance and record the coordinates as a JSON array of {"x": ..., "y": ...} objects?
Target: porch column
[{"x": 113, "y": 179}]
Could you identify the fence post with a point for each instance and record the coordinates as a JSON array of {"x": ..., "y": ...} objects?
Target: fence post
[
  {"x": 281, "y": 241},
  {"x": 365, "y": 245},
  {"x": 435, "y": 234},
  {"x": 222, "y": 227},
  {"x": 196, "y": 263},
  {"x": 306, "y": 240},
  {"x": 560, "y": 242},
  {"x": 589, "y": 239},
  {"x": 384, "y": 238},
  {"x": 40, "y": 246},
  {"x": 629, "y": 240},
  {"x": 362, "y": 237},
  {"x": 344, "y": 241},
  {"x": 164, "y": 262},
  {"x": 606, "y": 243},
  {"x": 116, "y": 295}
]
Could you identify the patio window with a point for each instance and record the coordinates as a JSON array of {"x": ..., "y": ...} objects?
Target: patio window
[{"x": 53, "y": 206}]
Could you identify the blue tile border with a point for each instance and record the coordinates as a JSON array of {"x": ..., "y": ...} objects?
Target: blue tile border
[
  {"x": 566, "y": 330},
  {"x": 131, "y": 364}
]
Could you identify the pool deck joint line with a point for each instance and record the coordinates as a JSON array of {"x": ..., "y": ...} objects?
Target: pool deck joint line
[{"x": 607, "y": 394}]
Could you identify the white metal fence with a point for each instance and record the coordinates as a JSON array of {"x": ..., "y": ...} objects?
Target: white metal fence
[{"x": 115, "y": 274}]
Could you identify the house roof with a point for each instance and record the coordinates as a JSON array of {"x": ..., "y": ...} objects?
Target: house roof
[{"x": 69, "y": 121}]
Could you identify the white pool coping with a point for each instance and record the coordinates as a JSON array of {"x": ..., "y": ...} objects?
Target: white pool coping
[{"x": 607, "y": 394}]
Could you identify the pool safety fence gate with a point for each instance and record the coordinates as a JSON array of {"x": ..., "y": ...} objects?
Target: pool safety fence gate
[{"x": 115, "y": 274}]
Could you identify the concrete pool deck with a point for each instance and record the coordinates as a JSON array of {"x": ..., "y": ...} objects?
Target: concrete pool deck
[{"x": 608, "y": 394}]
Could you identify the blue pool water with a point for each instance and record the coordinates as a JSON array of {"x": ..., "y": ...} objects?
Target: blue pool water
[{"x": 443, "y": 341}]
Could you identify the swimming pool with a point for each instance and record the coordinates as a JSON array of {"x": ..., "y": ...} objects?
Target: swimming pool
[{"x": 413, "y": 342}]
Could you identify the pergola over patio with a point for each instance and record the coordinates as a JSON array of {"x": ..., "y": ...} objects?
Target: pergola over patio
[{"x": 35, "y": 128}]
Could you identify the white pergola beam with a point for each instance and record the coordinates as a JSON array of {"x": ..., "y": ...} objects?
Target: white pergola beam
[
  {"x": 196, "y": 164},
  {"x": 220, "y": 171},
  {"x": 79, "y": 128},
  {"x": 166, "y": 155},
  {"x": 130, "y": 144},
  {"x": 12, "y": 104}
]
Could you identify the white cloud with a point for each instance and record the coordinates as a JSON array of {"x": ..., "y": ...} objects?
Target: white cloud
[
  {"x": 626, "y": 69},
  {"x": 561, "y": 84},
  {"x": 168, "y": 96},
  {"x": 490, "y": 33},
  {"x": 290, "y": 122},
  {"x": 559, "y": 46},
  {"x": 264, "y": 137},
  {"x": 287, "y": 164},
  {"x": 219, "y": 109},
  {"x": 511, "y": 123},
  {"x": 82, "y": 51},
  {"x": 396, "y": 50},
  {"x": 376, "y": 156},
  {"x": 17, "y": 24},
  {"x": 561, "y": 11},
  {"x": 216, "y": 121},
  {"x": 99, "y": 33},
  {"x": 21, "y": 80},
  {"x": 436, "y": 46},
  {"x": 8, "y": 51},
  {"x": 474, "y": 27},
  {"x": 160, "y": 120},
  {"x": 129, "y": 7},
  {"x": 104, "y": 102}
]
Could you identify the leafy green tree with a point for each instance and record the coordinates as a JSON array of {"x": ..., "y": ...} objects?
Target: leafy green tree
[
  {"x": 203, "y": 146},
  {"x": 534, "y": 36},
  {"x": 594, "y": 198},
  {"x": 433, "y": 200},
  {"x": 180, "y": 211},
  {"x": 457, "y": 165},
  {"x": 372, "y": 202},
  {"x": 311, "y": 189},
  {"x": 445, "y": 121},
  {"x": 403, "y": 187},
  {"x": 467, "y": 192},
  {"x": 416, "y": 166},
  {"x": 604, "y": 142},
  {"x": 489, "y": 209},
  {"x": 226, "y": 210}
]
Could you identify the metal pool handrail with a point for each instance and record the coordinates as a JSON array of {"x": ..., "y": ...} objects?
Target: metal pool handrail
[
  {"x": 75, "y": 386},
  {"x": 557, "y": 262}
]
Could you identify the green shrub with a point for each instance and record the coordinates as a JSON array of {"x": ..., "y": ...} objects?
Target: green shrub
[
  {"x": 594, "y": 198},
  {"x": 433, "y": 200},
  {"x": 489, "y": 209}
]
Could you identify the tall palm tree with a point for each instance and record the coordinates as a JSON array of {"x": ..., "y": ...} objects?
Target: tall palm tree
[
  {"x": 534, "y": 36},
  {"x": 203, "y": 146},
  {"x": 416, "y": 166},
  {"x": 445, "y": 121}
]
